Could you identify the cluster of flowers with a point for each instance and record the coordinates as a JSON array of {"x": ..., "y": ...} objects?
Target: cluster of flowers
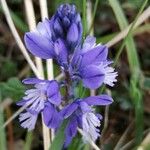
[{"x": 60, "y": 38}]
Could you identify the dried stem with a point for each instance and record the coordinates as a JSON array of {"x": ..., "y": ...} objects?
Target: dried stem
[
  {"x": 131, "y": 142},
  {"x": 49, "y": 62},
  {"x": 89, "y": 21},
  {"x": 32, "y": 26},
  {"x": 10, "y": 130},
  {"x": 50, "y": 75},
  {"x": 91, "y": 142},
  {"x": 17, "y": 37},
  {"x": 144, "y": 16},
  {"x": 5, "y": 103},
  {"x": 14, "y": 115},
  {"x": 123, "y": 137}
]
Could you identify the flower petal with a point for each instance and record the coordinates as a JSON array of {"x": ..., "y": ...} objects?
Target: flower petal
[
  {"x": 89, "y": 43},
  {"x": 95, "y": 55},
  {"x": 72, "y": 36},
  {"x": 39, "y": 45},
  {"x": 28, "y": 120},
  {"x": 68, "y": 110},
  {"x": 51, "y": 117},
  {"x": 32, "y": 81},
  {"x": 53, "y": 93},
  {"x": 22, "y": 102},
  {"x": 70, "y": 131},
  {"x": 58, "y": 28},
  {"x": 61, "y": 51},
  {"x": 99, "y": 100},
  {"x": 92, "y": 76},
  {"x": 84, "y": 106},
  {"x": 44, "y": 29}
]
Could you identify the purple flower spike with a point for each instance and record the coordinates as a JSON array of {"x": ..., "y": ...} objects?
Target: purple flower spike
[
  {"x": 44, "y": 95},
  {"x": 58, "y": 37},
  {"x": 66, "y": 24},
  {"x": 81, "y": 115}
]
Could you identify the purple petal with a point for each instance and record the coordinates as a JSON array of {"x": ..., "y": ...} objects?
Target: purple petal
[
  {"x": 99, "y": 100},
  {"x": 39, "y": 45},
  {"x": 70, "y": 131},
  {"x": 72, "y": 36},
  {"x": 32, "y": 81},
  {"x": 21, "y": 102},
  {"x": 89, "y": 43},
  {"x": 57, "y": 27},
  {"x": 95, "y": 55},
  {"x": 61, "y": 50},
  {"x": 28, "y": 120},
  {"x": 53, "y": 93},
  {"x": 92, "y": 76},
  {"x": 51, "y": 117},
  {"x": 68, "y": 110},
  {"x": 44, "y": 29},
  {"x": 84, "y": 106},
  {"x": 66, "y": 22}
]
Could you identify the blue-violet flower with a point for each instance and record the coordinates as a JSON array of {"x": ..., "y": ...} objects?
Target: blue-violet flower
[
  {"x": 90, "y": 64},
  {"x": 81, "y": 115},
  {"x": 42, "y": 99},
  {"x": 57, "y": 37}
]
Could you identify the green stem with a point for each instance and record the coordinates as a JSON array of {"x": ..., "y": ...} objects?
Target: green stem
[
  {"x": 29, "y": 137},
  {"x": 93, "y": 17},
  {"x": 2, "y": 130},
  {"x": 84, "y": 19}
]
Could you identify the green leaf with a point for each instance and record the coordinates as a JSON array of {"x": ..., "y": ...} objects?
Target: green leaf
[
  {"x": 78, "y": 144},
  {"x": 146, "y": 83},
  {"x": 13, "y": 88},
  {"x": 20, "y": 24},
  {"x": 58, "y": 141},
  {"x": 8, "y": 69},
  {"x": 29, "y": 138}
]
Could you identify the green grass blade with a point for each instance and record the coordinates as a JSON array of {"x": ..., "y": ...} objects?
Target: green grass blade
[
  {"x": 58, "y": 141},
  {"x": 84, "y": 19},
  {"x": 137, "y": 31},
  {"x": 28, "y": 142},
  {"x": 93, "y": 16},
  {"x": 133, "y": 64},
  {"x": 17, "y": 21},
  {"x": 2, "y": 130}
]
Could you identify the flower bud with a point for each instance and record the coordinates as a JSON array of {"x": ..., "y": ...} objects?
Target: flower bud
[
  {"x": 72, "y": 35},
  {"x": 67, "y": 25}
]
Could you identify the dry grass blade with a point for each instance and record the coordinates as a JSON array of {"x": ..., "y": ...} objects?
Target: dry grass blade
[
  {"x": 32, "y": 26},
  {"x": 14, "y": 116},
  {"x": 121, "y": 140},
  {"x": 5, "y": 103},
  {"x": 17, "y": 38},
  {"x": 91, "y": 142},
  {"x": 50, "y": 74},
  {"x": 146, "y": 143},
  {"x": 49, "y": 62},
  {"x": 144, "y": 16}
]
